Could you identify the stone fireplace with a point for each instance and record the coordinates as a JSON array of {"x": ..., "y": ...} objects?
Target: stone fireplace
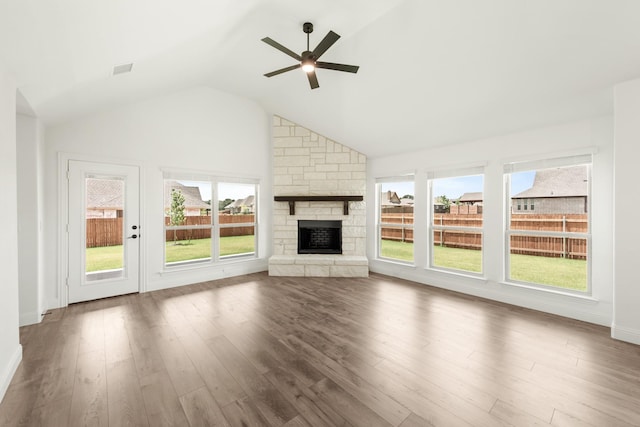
[{"x": 319, "y": 187}]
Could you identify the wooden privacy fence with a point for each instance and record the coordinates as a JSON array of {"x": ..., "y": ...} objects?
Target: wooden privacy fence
[
  {"x": 103, "y": 232},
  {"x": 206, "y": 233},
  {"x": 565, "y": 247},
  {"x": 108, "y": 231}
]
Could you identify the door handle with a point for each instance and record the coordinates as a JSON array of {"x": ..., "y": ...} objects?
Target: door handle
[{"x": 134, "y": 236}]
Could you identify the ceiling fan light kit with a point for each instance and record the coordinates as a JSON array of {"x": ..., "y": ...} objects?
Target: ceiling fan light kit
[{"x": 308, "y": 60}]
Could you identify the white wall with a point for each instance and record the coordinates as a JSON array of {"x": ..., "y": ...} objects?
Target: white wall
[
  {"x": 10, "y": 349},
  {"x": 199, "y": 129},
  {"x": 626, "y": 321},
  {"x": 29, "y": 141},
  {"x": 494, "y": 152}
]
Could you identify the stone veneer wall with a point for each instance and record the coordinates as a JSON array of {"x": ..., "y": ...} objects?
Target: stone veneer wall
[{"x": 308, "y": 164}]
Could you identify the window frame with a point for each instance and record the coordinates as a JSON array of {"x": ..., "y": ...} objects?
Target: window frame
[
  {"x": 214, "y": 226},
  {"x": 534, "y": 165},
  {"x": 432, "y": 227},
  {"x": 380, "y": 225}
]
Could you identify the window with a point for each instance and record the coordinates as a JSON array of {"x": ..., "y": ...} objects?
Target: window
[
  {"x": 395, "y": 218},
  {"x": 187, "y": 221},
  {"x": 549, "y": 248},
  {"x": 194, "y": 233},
  {"x": 456, "y": 232},
  {"x": 237, "y": 219}
]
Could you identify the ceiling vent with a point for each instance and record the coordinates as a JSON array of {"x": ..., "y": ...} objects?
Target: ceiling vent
[{"x": 122, "y": 69}]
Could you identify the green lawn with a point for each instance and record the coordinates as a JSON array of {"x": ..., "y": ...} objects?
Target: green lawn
[
  {"x": 110, "y": 257},
  {"x": 558, "y": 272},
  {"x": 105, "y": 258}
]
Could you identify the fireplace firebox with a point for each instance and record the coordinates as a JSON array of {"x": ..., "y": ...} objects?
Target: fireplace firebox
[{"x": 319, "y": 237}]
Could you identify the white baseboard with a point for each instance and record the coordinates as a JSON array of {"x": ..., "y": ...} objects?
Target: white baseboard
[
  {"x": 590, "y": 311},
  {"x": 625, "y": 334},
  {"x": 10, "y": 370}
]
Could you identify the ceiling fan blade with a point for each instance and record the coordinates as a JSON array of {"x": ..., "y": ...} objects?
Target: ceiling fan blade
[
  {"x": 325, "y": 44},
  {"x": 338, "y": 67},
  {"x": 282, "y": 49},
  {"x": 282, "y": 70},
  {"x": 313, "y": 80}
]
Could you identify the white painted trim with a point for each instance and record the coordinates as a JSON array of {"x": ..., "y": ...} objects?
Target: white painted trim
[
  {"x": 63, "y": 219},
  {"x": 625, "y": 334},
  {"x": 30, "y": 318},
  {"x": 566, "y": 306},
  {"x": 12, "y": 367},
  {"x": 171, "y": 279}
]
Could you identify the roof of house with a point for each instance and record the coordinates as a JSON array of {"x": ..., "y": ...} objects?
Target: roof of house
[
  {"x": 105, "y": 193},
  {"x": 471, "y": 197},
  {"x": 389, "y": 198},
  {"x": 557, "y": 182},
  {"x": 247, "y": 201},
  {"x": 192, "y": 196}
]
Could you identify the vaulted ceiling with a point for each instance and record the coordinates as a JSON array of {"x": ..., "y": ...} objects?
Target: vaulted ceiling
[{"x": 432, "y": 72}]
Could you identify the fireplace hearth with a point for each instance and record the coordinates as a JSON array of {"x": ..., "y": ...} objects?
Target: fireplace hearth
[{"x": 319, "y": 237}]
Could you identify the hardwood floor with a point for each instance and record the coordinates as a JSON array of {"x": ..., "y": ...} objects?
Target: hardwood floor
[{"x": 276, "y": 351}]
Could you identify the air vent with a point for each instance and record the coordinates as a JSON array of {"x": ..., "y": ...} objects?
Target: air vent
[{"x": 122, "y": 69}]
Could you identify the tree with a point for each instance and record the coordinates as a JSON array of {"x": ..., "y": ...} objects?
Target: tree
[
  {"x": 408, "y": 196},
  {"x": 223, "y": 203},
  {"x": 446, "y": 203},
  {"x": 176, "y": 212}
]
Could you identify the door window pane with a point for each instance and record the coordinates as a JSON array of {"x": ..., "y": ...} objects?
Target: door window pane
[{"x": 104, "y": 217}]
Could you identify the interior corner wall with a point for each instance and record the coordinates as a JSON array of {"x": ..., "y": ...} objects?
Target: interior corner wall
[
  {"x": 194, "y": 130},
  {"x": 10, "y": 349},
  {"x": 626, "y": 314},
  {"x": 576, "y": 137},
  {"x": 30, "y": 214}
]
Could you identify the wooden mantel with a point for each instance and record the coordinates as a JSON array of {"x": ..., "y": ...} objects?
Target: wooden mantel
[{"x": 293, "y": 199}]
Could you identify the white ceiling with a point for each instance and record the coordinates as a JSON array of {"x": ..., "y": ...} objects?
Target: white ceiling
[{"x": 432, "y": 72}]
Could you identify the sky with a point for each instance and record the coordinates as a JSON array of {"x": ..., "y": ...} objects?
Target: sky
[{"x": 453, "y": 188}]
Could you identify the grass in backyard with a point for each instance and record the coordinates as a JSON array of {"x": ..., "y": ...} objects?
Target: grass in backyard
[
  {"x": 201, "y": 248},
  {"x": 104, "y": 258},
  {"x": 401, "y": 251},
  {"x": 110, "y": 257},
  {"x": 557, "y": 272}
]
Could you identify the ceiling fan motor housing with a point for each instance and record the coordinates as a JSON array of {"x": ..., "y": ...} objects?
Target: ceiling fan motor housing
[{"x": 307, "y": 27}]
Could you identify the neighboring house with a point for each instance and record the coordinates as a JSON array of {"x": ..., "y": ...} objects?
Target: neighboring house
[
  {"x": 104, "y": 198},
  {"x": 471, "y": 198},
  {"x": 241, "y": 206},
  {"x": 391, "y": 203},
  {"x": 439, "y": 207},
  {"x": 554, "y": 191},
  {"x": 193, "y": 203}
]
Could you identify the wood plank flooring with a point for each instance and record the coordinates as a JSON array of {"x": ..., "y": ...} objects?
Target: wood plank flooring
[{"x": 275, "y": 351}]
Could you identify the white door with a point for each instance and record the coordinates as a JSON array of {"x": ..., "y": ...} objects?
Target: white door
[{"x": 104, "y": 230}]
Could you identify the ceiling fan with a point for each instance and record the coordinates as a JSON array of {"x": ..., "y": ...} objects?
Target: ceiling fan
[{"x": 309, "y": 59}]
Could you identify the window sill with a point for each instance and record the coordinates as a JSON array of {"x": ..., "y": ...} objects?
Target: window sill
[
  {"x": 206, "y": 263},
  {"x": 548, "y": 290},
  {"x": 458, "y": 273},
  {"x": 396, "y": 262}
]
